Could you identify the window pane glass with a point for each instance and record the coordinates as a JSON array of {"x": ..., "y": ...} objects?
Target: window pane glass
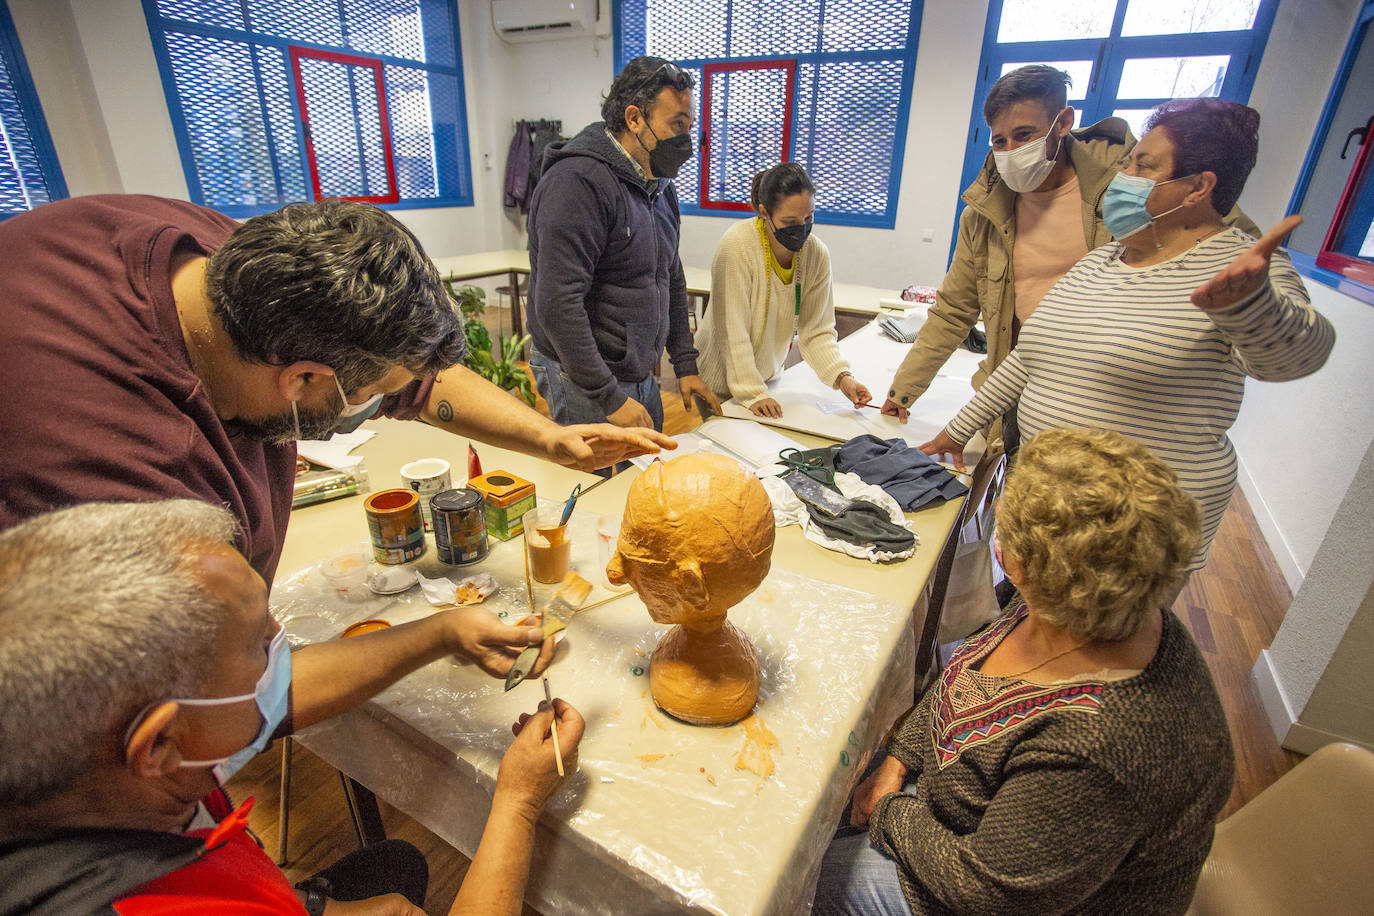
[
  {"x": 1172, "y": 77},
  {"x": 1053, "y": 20},
  {"x": 1080, "y": 71},
  {"x": 1135, "y": 117},
  {"x": 1165, "y": 17}
]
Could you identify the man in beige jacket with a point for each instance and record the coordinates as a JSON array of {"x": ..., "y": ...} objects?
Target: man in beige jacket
[{"x": 1034, "y": 210}]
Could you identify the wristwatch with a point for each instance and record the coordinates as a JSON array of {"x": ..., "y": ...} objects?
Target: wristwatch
[{"x": 317, "y": 891}]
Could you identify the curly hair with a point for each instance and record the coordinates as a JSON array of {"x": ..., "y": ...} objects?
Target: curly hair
[
  {"x": 1211, "y": 135},
  {"x": 1102, "y": 528},
  {"x": 334, "y": 282},
  {"x": 639, "y": 85}
]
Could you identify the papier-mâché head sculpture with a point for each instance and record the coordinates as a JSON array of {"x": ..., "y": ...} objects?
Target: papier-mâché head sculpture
[{"x": 697, "y": 537}]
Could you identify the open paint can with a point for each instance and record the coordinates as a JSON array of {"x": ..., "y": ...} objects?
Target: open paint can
[
  {"x": 396, "y": 527},
  {"x": 365, "y": 626}
]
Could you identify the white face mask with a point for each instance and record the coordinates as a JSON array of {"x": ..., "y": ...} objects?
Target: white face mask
[{"x": 1026, "y": 167}]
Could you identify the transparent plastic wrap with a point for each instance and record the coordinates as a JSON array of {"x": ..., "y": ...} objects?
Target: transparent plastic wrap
[{"x": 661, "y": 815}]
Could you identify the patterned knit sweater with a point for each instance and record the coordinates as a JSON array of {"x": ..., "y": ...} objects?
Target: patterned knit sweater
[
  {"x": 1082, "y": 796},
  {"x": 749, "y": 324},
  {"x": 1122, "y": 348}
]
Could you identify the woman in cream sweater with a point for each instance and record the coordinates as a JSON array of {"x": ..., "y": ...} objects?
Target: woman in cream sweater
[{"x": 770, "y": 282}]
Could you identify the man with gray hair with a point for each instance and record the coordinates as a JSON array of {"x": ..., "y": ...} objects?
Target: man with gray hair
[
  {"x": 140, "y": 666},
  {"x": 156, "y": 349}
]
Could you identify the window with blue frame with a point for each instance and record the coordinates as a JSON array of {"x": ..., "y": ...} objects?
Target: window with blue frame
[
  {"x": 826, "y": 83},
  {"x": 1335, "y": 192},
  {"x": 1124, "y": 56},
  {"x": 29, "y": 172},
  {"x": 275, "y": 102}
]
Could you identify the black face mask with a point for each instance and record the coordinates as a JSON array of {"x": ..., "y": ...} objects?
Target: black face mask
[
  {"x": 792, "y": 237},
  {"x": 667, "y": 157}
]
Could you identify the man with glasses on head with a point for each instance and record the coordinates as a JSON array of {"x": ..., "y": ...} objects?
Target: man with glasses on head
[
  {"x": 607, "y": 290},
  {"x": 158, "y": 349}
]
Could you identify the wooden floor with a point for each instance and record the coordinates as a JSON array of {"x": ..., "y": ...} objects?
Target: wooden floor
[{"x": 1233, "y": 607}]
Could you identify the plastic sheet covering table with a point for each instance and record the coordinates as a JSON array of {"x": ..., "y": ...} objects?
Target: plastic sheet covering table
[{"x": 661, "y": 816}]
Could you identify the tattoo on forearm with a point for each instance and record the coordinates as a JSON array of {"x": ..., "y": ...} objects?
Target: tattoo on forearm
[{"x": 444, "y": 411}]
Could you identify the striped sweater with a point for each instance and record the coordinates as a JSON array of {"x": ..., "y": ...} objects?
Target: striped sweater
[
  {"x": 1123, "y": 348},
  {"x": 748, "y": 328}
]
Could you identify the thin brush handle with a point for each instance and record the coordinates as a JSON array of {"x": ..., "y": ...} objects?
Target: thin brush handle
[{"x": 553, "y": 726}]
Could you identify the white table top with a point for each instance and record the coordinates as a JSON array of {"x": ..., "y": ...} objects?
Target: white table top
[
  {"x": 634, "y": 831},
  {"x": 811, "y": 406}
]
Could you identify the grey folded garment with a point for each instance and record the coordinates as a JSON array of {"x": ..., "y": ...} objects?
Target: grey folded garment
[
  {"x": 904, "y": 473},
  {"x": 904, "y": 329},
  {"x": 865, "y": 524}
]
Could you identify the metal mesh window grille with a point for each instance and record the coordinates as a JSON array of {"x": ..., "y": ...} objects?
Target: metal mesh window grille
[
  {"x": 347, "y": 136},
  {"x": 746, "y": 120},
  {"x": 26, "y": 179},
  {"x": 243, "y": 114},
  {"x": 847, "y": 105}
]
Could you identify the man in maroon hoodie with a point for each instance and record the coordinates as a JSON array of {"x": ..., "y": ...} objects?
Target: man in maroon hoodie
[{"x": 157, "y": 349}]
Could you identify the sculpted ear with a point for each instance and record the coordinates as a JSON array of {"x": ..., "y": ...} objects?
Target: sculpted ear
[
  {"x": 690, "y": 583},
  {"x": 615, "y": 570}
]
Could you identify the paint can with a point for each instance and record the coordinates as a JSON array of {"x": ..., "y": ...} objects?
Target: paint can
[
  {"x": 460, "y": 526},
  {"x": 397, "y": 529}
]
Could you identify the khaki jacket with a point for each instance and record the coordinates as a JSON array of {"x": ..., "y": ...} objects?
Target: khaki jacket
[{"x": 980, "y": 281}]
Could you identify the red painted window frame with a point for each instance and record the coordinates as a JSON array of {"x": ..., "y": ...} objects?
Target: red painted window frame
[
  {"x": 1356, "y": 269},
  {"x": 384, "y": 116},
  {"x": 788, "y": 66}
]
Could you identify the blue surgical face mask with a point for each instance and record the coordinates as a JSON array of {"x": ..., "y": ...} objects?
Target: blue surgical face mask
[
  {"x": 353, "y": 415},
  {"x": 271, "y": 693},
  {"x": 1123, "y": 205}
]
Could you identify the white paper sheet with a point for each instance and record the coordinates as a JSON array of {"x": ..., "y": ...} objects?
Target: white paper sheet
[{"x": 334, "y": 453}]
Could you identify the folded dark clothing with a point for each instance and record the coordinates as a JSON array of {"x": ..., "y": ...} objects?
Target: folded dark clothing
[
  {"x": 904, "y": 473},
  {"x": 864, "y": 524},
  {"x": 976, "y": 341}
]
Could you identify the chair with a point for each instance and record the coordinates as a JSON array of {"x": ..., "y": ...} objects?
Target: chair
[
  {"x": 974, "y": 523},
  {"x": 1303, "y": 845}
]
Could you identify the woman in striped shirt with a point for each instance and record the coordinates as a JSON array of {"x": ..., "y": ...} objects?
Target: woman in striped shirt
[{"x": 1153, "y": 334}]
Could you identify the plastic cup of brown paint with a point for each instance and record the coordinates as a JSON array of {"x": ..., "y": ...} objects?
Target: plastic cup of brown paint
[{"x": 550, "y": 551}]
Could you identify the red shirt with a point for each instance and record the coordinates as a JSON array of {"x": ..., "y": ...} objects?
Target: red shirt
[
  {"x": 233, "y": 876},
  {"x": 98, "y": 400}
]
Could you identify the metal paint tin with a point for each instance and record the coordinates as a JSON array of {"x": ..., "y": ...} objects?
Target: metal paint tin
[
  {"x": 397, "y": 529},
  {"x": 460, "y": 526}
]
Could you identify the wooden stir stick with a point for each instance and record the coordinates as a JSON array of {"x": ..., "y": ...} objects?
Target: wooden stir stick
[{"x": 557, "y": 751}]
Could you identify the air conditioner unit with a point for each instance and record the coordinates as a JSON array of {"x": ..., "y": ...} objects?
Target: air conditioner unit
[{"x": 545, "y": 20}]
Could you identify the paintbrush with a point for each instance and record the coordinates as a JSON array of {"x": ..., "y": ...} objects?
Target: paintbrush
[
  {"x": 553, "y": 726},
  {"x": 557, "y": 613}
]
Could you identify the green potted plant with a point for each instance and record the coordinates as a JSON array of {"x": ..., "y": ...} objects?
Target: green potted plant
[{"x": 501, "y": 366}]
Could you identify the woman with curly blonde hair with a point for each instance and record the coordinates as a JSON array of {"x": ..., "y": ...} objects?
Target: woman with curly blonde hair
[{"x": 1073, "y": 756}]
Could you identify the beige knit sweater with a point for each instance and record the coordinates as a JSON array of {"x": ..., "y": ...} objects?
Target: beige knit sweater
[{"x": 749, "y": 324}]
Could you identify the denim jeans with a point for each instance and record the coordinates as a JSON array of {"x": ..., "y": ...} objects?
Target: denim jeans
[
  {"x": 856, "y": 879},
  {"x": 570, "y": 406}
]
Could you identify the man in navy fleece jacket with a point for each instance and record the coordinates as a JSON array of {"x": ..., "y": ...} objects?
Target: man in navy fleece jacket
[{"x": 607, "y": 290}]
